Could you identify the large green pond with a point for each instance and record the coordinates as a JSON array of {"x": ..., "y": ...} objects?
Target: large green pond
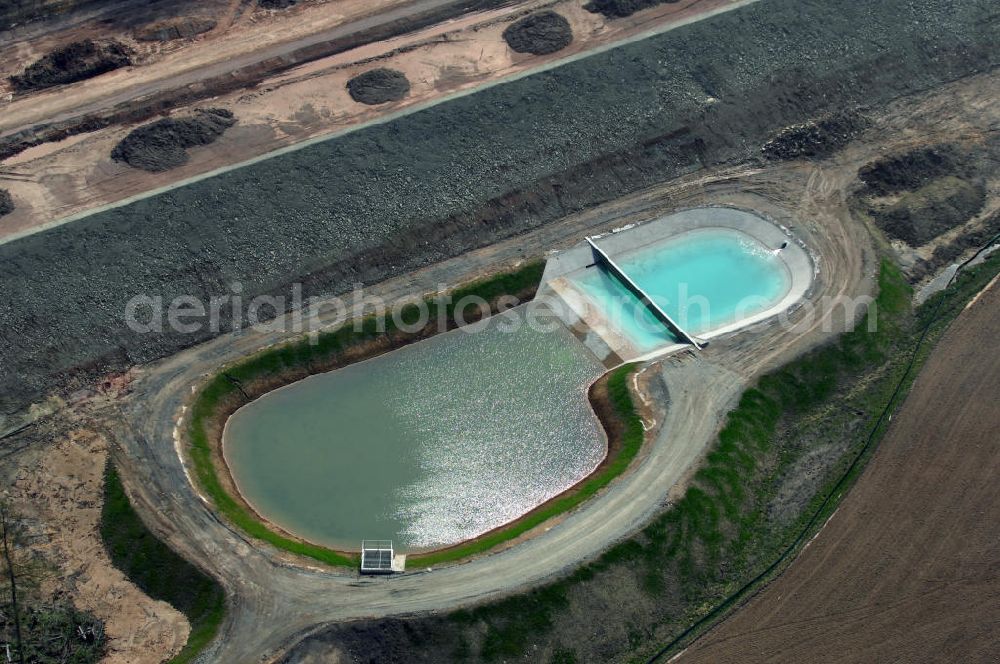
[{"x": 428, "y": 445}]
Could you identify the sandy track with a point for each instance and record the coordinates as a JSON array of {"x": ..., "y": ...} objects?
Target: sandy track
[
  {"x": 56, "y": 181},
  {"x": 273, "y": 602},
  {"x": 906, "y": 569}
]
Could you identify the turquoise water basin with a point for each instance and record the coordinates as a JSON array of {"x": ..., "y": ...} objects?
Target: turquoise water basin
[{"x": 705, "y": 279}]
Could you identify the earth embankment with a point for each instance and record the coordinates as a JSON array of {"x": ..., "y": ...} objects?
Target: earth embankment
[
  {"x": 906, "y": 569},
  {"x": 463, "y": 174}
]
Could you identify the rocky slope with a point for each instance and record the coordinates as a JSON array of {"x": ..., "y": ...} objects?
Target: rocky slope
[{"x": 433, "y": 184}]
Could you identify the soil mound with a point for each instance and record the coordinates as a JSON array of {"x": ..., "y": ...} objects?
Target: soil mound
[
  {"x": 183, "y": 28},
  {"x": 539, "y": 34},
  {"x": 622, "y": 8},
  {"x": 378, "y": 86},
  {"x": 816, "y": 138},
  {"x": 951, "y": 251},
  {"x": 919, "y": 216},
  {"x": 75, "y": 62},
  {"x": 163, "y": 144},
  {"x": 6, "y": 202},
  {"x": 276, "y": 4},
  {"x": 910, "y": 171}
]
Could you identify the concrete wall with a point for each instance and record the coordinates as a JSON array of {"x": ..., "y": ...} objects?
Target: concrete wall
[{"x": 602, "y": 337}]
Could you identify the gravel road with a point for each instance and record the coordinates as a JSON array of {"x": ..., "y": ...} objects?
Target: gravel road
[
  {"x": 275, "y": 602},
  {"x": 397, "y": 196}
]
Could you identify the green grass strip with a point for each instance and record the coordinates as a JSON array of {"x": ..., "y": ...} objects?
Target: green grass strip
[
  {"x": 157, "y": 570},
  {"x": 305, "y": 353},
  {"x": 632, "y": 438}
]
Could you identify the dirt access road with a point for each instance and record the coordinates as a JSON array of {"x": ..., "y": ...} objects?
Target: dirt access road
[
  {"x": 275, "y": 600},
  {"x": 907, "y": 569},
  {"x": 287, "y": 107}
]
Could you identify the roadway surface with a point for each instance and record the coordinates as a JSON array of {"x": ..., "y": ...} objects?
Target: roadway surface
[{"x": 275, "y": 600}]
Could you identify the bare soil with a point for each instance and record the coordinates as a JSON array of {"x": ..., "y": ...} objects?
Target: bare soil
[
  {"x": 906, "y": 569},
  {"x": 58, "y": 489},
  {"x": 75, "y": 173}
]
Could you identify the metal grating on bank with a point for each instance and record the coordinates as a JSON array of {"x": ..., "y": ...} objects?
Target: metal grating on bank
[{"x": 376, "y": 557}]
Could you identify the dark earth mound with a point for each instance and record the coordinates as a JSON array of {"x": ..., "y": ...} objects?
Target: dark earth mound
[
  {"x": 539, "y": 34},
  {"x": 918, "y": 195},
  {"x": 910, "y": 171},
  {"x": 276, "y": 4},
  {"x": 622, "y": 8},
  {"x": 183, "y": 28},
  {"x": 378, "y": 86},
  {"x": 423, "y": 187},
  {"x": 75, "y": 62},
  {"x": 163, "y": 144},
  {"x": 919, "y": 216},
  {"x": 816, "y": 138},
  {"x": 951, "y": 251},
  {"x": 6, "y": 202}
]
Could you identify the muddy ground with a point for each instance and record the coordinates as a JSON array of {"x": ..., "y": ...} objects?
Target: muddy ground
[
  {"x": 906, "y": 569},
  {"x": 466, "y": 173}
]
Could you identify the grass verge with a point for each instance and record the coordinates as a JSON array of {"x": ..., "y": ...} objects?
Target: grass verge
[
  {"x": 157, "y": 570},
  {"x": 745, "y": 508},
  {"x": 249, "y": 378},
  {"x": 620, "y": 420}
]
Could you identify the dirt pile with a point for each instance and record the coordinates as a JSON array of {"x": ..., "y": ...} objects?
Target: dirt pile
[
  {"x": 75, "y": 62},
  {"x": 6, "y": 202},
  {"x": 950, "y": 252},
  {"x": 276, "y": 4},
  {"x": 622, "y": 8},
  {"x": 918, "y": 195},
  {"x": 183, "y": 28},
  {"x": 539, "y": 34},
  {"x": 912, "y": 170},
  {"x": 378, "y": 86},
  {"x": 917, "y": 217},
  {"x": 163, "y": 144},
  {"x": 816, "y": 138}
]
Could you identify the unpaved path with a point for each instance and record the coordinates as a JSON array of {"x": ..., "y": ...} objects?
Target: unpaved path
[
  {"x": 55, "y": 182},
  {"x": 906, "y": 570},
  {"x": 275, "y": 602}
]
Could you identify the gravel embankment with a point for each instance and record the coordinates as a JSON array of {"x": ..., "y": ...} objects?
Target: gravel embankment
[{"x": 433, "y": 184}]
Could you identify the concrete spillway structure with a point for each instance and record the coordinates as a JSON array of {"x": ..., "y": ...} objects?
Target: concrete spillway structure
[{"x": 602, "y": 259}]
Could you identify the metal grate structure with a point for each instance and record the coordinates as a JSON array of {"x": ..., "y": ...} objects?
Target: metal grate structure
[
  {"x": 602, "y": 258},
  {"x": 376, "y": 557}
]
